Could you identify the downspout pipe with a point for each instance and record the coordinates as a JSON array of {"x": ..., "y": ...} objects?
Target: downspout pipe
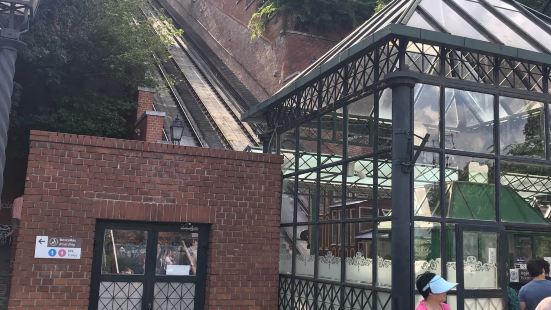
[{"x": 8, "y": 56}]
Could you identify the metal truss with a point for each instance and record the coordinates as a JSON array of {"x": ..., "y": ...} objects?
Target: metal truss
[
  {"x": 527, "y": 185},
  {"x": 362, "y": 75},
  {"x": 309, "y": 295}
]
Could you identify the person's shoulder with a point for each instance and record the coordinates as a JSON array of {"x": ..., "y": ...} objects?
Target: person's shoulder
[
  {"x": 446, "y": 307},
  {"x": 421, "y": 305}
]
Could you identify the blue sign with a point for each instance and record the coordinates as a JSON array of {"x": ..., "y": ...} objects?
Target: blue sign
[{"x": 51, "y": 252}]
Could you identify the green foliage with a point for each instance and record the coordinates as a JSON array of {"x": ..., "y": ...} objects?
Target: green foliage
[
  {"x": 315, "y": 15},
  {"x": 258, "y": 21},
  {"x": 533, "y": 144},
  {"x": 380, "y": 5},
  {"x": 81, "y": 69}
]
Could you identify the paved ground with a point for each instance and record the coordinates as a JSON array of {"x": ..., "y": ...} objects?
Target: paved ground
[{"x": 4, "y": 273}]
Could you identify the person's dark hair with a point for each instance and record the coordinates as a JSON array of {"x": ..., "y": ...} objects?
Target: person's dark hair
[
  {"x": 545, "y": 265},
  {"x": 535, "y": 267},
  {"x": 422, "y": 281}
]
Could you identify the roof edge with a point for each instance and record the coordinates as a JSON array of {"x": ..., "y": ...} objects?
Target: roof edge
[{"x": 255, "y": 113}]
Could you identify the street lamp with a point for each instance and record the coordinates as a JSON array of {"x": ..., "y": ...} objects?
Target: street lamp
[
  {"x": 14, "y": 20},
  {"x": 176, "y": 130}
]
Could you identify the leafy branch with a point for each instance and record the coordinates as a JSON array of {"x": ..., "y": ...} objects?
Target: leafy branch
[{"x": 314, "y": 15}]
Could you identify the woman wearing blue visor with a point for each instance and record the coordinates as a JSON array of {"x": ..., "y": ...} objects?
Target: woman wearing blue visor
[{"x": 433, "y": 288}]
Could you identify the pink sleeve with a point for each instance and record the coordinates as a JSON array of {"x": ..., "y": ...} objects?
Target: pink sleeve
[
  {"x": 421, "y": 306},
  {"x": 446, "y": 307}
]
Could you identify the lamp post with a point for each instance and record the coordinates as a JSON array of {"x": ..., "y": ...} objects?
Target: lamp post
[
  {"x": 14, "y": 20},
  {"x": 176, "y": 130}
]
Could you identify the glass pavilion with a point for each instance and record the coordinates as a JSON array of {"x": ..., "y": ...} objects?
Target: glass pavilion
[{"x": 420, "y": 142}]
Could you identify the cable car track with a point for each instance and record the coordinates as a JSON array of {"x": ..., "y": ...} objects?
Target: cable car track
[{"x": 212, "y": 101}]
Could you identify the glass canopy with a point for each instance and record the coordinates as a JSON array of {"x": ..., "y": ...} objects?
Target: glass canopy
[{"x": 421, "y": 142}]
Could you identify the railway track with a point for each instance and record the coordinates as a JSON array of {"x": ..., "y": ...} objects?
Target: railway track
[{"x": 212, "y": 113}]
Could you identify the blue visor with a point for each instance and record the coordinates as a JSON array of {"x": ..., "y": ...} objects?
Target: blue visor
[{"x": 438, "y": 285}]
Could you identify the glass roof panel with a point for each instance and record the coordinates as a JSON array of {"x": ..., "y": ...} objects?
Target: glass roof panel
[
  {"x": 418, "y": 21},
  {"x": 528, "y": 25},
  {"x": 493, "y": 24},
  {"x": 502, "y": 4},
  {"x": 391, "y": 18},
  {"x": 487, "y": 20},
  {"x": 450, "y": 20}
]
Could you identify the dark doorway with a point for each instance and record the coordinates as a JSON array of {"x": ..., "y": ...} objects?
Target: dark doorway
[{"x": 149, "y": 266}]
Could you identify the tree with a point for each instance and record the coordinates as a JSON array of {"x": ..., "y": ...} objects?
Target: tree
[{"x": 80, "y": 72}]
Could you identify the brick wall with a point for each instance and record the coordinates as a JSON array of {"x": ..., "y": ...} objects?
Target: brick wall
[
  {"x": 264, "y": 65},
  {"x": 75, "y": 180},
  {"x": 149, "y": 127},
  {"x": 145, "y": 101}
]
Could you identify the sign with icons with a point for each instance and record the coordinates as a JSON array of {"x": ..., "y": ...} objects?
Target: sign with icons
[{"x": 57, "y": 247}]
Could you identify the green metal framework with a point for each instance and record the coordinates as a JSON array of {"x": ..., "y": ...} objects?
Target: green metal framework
[{"x": 347, "y": 128}]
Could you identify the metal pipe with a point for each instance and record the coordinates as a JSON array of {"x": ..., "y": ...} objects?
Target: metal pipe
[
  {"x": 8, "y": 55},
  {"x": 114, "y": 250},
  {"x": 402, "y": 215}
]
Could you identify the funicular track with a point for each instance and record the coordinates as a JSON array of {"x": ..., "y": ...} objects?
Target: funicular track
[
  {"x": 211, "y": 111},
  {"x": 182, "y": 109}
]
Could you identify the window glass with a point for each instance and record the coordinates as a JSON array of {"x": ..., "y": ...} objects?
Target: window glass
[
  {"x": 426, "y": 118},
  {"x": 527, "y": 24},
  {"x": 525, "y": 194},
  {"x": 306, "y": 198},
  {"x": 332, "y": 135},
  {"x": 308, "y": 145},
  {"x": 285, "y": 250},
  {"x": 288, "y": 197},
  {"x": 360, "y": 202},
  {"x": 384, "y": 186},
  {"x": 305, "y": 247},
  {"x": 287, "y": 142},
  {"x": 494, "y": 25},
  {"x": 330, "y": 193},
  {"x": 385, "y": 119},
  {"x": 524, "y": 246},
  {"x": 450, "y": 19},
  {"x": 329, "y": 259},
  {"x": 426, "y": 185},
  {"x": 416, "y": 20},
  {"x": 124, "y": 252},
  {"x": 426, "y": 246},
  {"x": 469, "y": 121},
  {"x": 359, "y": 259},
  {"x": 361, "y": 127},
  {"x": 521, "y": 127},
  {"x": 469, "y": 191},
  {"x": 480, "y": 260},
  {"x": 384, "y": 256},
  {"x": 177, "y": 253}
]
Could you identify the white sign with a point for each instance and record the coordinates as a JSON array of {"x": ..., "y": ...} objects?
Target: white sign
[
  {"x": 57, "y": 247},
  {"x": 177, "y": 270},
  {"x": 514, "y": 275},
  {"x": 492, "y": 255}
]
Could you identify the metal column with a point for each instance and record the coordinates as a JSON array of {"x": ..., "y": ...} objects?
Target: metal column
[
  {"x": 401, "y": 233},
  {"x": 8, "y": 54}
]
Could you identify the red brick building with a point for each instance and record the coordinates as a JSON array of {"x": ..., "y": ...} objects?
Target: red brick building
[
  {"x": 263, "y": 65},
  {"x": 76, "y": 182}
]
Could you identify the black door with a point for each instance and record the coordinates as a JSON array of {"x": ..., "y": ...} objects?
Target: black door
[
  {"x": 480, "y": 267},
  {"x": 149, "y": 266}
]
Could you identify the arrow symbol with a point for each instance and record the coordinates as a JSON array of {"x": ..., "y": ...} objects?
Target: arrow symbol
[{"x": 41, "y": 241}]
